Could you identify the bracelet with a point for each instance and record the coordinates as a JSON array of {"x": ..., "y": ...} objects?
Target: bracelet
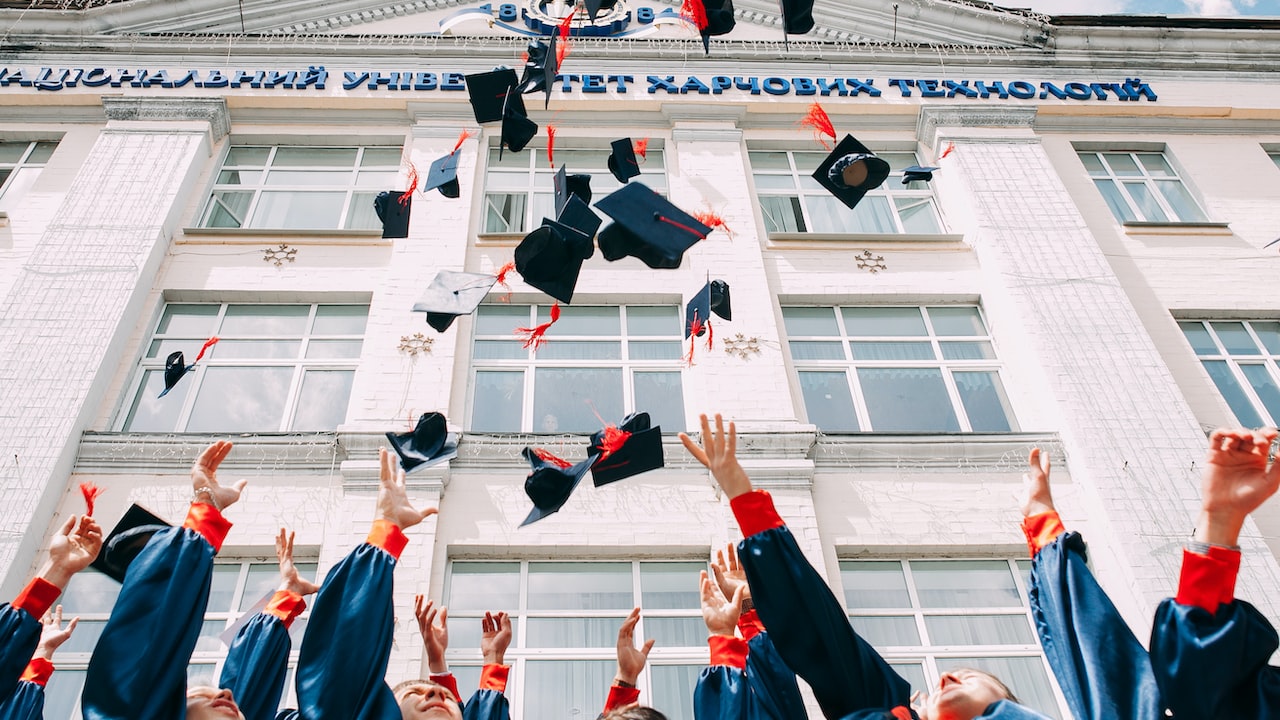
[
  {"x": 206, "y": 490},
  {"x": 1202, "y": 548},
  {"x": 623, "y": 683}
]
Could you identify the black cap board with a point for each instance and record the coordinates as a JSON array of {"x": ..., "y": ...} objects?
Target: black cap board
[
  {"x": 797, "y": 16},
  {"x": 712, "y": 298},
  {"x": 639, "y": 452},
  {"x": 622, "y": 161},
  {"x": 916, "y": 173},
  {"x": 647, "y": 226},
  {"x": 429, "y": 443},
  {"x": 850, "y": 171},
  {"x": 720, "y": 21},
  {"x": 488, "y": 93},
  {"x": 549, "y": 485},
  {"x": 550, "y": 258},
  {"x": 451, "y": 294},
  {"x": 517, "y": 129},
  {"x": 595, "y": 6},
  {"x": 566, "y": 185},
  {"x": 443, "y": 176},
  {"x": 540, "y": 68},
  {"x": 393, "y": 209},
  {"x": 126, "y": 540},
  {"x": 175, "y": 366}
]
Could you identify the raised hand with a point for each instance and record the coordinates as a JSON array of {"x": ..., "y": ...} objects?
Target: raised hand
[
  {"x": 729, "y": 574},
  {"x": 204, "y": 477},
  {"x": 718, "y": 612},
  {"x": 393, "y": 499},
  {"x": 289, "y": 577},
  {"x": 719, "y": 454},
  {"x": 1036, "y": 497},
  {"x": 434, "y": 637},
  {"x": 74, "y": 546},
  {"x": 495, "y": 638},
  {"x": 1237, "y": 479},
  {"x": 52, "y": 634},
  {"x": 631, "y": 660}
]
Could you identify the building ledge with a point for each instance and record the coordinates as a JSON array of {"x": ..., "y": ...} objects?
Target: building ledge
[
  {"x": 827, "y": 241},
  {"x": 252, "y": 236},
  {"x": 1177, "y": 228},
  {"x": 964, "y": 452},
  {"x": 508, "y": 239}
]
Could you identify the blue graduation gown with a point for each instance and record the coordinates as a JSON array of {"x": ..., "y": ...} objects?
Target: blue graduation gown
[
  {"x": 765, "y": 689},
  {"x": 20, "y": 632},
  {"x": 26, "y": 702},
  {"x": 257, "y": 665}
]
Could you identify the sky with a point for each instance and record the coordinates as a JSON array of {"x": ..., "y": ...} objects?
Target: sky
[{"x": 1195, "y": 8}]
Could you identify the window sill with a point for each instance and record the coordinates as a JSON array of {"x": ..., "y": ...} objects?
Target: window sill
[
  {"x": 964, "y": 452},
  {"x": 247, "y": 236},
  {"x": 1178, "y": 228},
  {"x": 509, "y": 239},
  {"x": 860, "y": 240}
]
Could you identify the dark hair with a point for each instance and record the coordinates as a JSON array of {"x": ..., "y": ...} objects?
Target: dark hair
[{"x": 635, "y": 712}]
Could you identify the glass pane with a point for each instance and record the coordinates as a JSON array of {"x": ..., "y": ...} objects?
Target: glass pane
[
  {"x": 228, "y": 209},
  {"x": 1122, "y": 164},
  {"x": 465, "y": 634},
  {"x": 498, "y": 402},
  {"x": 1235, "y": 338},
  {"x": 828, "y": 402},
  {"x": 152, "y": 413},
  {"x": 580, "y": 350},
  {"x": 650, "y": 350},
  {"x": 209, "y": 640},
  {"x": 314, "y": 156},
  {"x": 501, "y": 319},
  {"x": 913, "y": 673},
  {"x": 572, "y": 632},
  {"x": 1199, "y": 338},
  {"x": 593, "y": 321},
  {"x": 361, "y": 215},
  {"x": 1269, "y": 334},
  {"x": 670, "y": 586},
  {"x": 968, "y": 351},
  {"x": 956, "y": 321},
  {"x": 201, "y": 674},
  {"x": 340, "y": 319},
  {"x": 1148, "y": 209},
  {"x": 322, "y": 402},
  {"x": 377, "y": 179},
  {"x": 504, "y": 212},
  {"x": 1179, "y": 198},
  {"x": 781, "y": 213},
  {"x": 874, "y": 584},
  {"x": 255, "y": 349},
  {"x": 240, "y": 177},
  {"x": 192, "y": 320},
  {"x": 500, "y": 350},
  {"x": 984, "y": 400},
  {"x": 42, "y": 152},
  {"x": 84, "y": 638},
  {"x": 761, "y": 160},
  {"x": 162, "y": 348},
  {"x": 1092, "y": 163},
  {"x": 813, "y": 350},
  {"x": 1115, "y": 200},
  {"x": 892, "y": 350},
  {"x": 566, "y": 688},
  {"x": 1231, "y": 391},
  {"x": 12, "y": 152},
  {"x": 568, "y": 399},
  {"x": 872, "y": 215},
  {"x": 334, "y": 349},
  {"x": 652, "y": 320},
  {"x": 241, "y": 399},
  {"x": 917, "y": 215},
  {"x": 247, "y": 156},
  {"x": 381, "y": 156},
  {"x": 581, "y": 586},
  {"x": 675, "y": 632},
  {"x": 979, "y": 630},
  {"x": 964, "y": 583},
  {"x": 766, "y": 183},
  {"x": 1025, "y": 677},
  {"x": 875, "y": 321},
  {"x": 89, "y": 592},
  {"x": 266, "y": 320},
  {"x": 672, "y": 689},
  {"x": 326, "y": 178},
  {"x": 62, "y": 692},
  {"x": 1264, "y": 386},
  {"x": 260, "y": 582},
  {"x": 298, "y": 210},
  {"x": 887, "y": 631},
  {"x": 802, "y": 321},
  {"x": 907, "y": 399},
  {"x": 829, "y": 215},
  {"x": 661, "y": 394},
  {"x": 1155, "y": 164},
  {"x": 222, "y": 590},
  {"x": 484, "y": 586}
]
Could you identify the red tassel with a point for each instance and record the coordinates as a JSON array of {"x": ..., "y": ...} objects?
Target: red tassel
[
  {"x": 413, "y": 185},
  {"x": 682, "y": 226},
  {"x": 818, "y": 119},
  {"x": 562, "y": 51},
  {"x": 695, "y": 327},
  {"x": 207, "y": 344},
  {"x": 640, "y": 147},
  {"x": 91, "y": 493},
  {"x": 548, "y": 457},
  {"x": 712, "y": 220},
  {"x": 565, "y": 23},
  {"x": 695, "y": 12},
  {"x": 613, "y": 441},
  {"x": 535, "y": 336},
  {"x": 461, "y": 139},
  {"x": 951, "y": 147},
  {"x": 710, "y": 334},
  {"x": 502, "y": 273},
  {"x": 551, "y": 144},
  {"x": 524, "y": 58}
]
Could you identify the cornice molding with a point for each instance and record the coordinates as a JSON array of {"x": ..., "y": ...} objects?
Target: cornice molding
[
  {"x": 171, "y": 109},
  {"x": 951, "y": 116}
]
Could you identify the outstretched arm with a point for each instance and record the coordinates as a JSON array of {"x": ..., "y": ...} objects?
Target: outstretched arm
[
  {"x": 631, "y": 662},
  {"x": 489, "y": 702},
  {"x": 27, "y": 701},
  {"x": 722, "y": 691}
]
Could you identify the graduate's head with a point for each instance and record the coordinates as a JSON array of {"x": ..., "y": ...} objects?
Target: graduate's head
[
  {"x": 964, "y": 694},
  {"x": 633, "y": 712},
  {"x": 423, "y": 700},
  {"x": 210, "y": 703}
]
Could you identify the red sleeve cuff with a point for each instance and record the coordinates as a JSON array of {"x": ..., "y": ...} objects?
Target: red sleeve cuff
[
  {"x": 620, "y": 697},
  {"x": 37, "y": 597},
  {"x": 1042, "y": 529},
  {"x": 728, "y": 650},
  {"x": 749, "y": 624},
  {"x": 494, "y": 677},
  {"x": 388, "y": 536},
  {"x": 286, "y": 605},
  {"x": 448, "y": 681},
  {"x": 755, "y": 512},
  {"x": 38, "y": 671},
  {"x": 206, "y": 520},
  {"x": 1208, "y": 581}
]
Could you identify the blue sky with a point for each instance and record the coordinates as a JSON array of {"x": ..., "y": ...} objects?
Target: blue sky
[{"x": 1199, "y": 8}]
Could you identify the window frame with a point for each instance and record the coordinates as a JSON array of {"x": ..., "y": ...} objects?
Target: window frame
[
  {"x": 22, "y": 166},
  {"x": 1144, "y": 177},
  {"x": 1270, "y": 361}
]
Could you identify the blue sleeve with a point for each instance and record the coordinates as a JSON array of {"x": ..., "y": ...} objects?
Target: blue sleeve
[
  {"x": 343, "y": 662},
  {"x": 256, "y": 666},
  {"x": 775, "y": 694},
  {"x": 722, "y": 693},
  {"x": 19, "y": 635},
  {"x": 811, "y": 632},
  {"x": 1215, "y": 665},
  {"x": 487, "y": 705},
  {"x": 1103, "y": 670},
  {"x": 26, "y": 703},
  {"x": 138, "y": 670}
]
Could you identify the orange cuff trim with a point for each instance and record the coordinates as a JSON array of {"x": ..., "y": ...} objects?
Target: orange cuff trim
[
  {"x": 37, "y": 597},
  {"x": 447, "y": 681},
  {"x": 1042, "y": 529},
  {"x": 1208, "y": 581},
  {"x": 727, "y": 650},
  {"x": 38, "y": 671},
  {"x": 388, "y": 536},
  {"x": 286, "y": 605},
  {"x": 494, "y": 677},
  {"x": 749, "y": 624},
  {"x": 206, "y": 520},
  {"x": 620, "y": 696},
  {"x": 755, "y": 512}
]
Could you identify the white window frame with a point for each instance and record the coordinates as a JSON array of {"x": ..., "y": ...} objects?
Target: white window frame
[
  {"x": 1267, "y": 360},
  {"x": 24, "y": 171},
  {"x": 1122, "y": 203}
]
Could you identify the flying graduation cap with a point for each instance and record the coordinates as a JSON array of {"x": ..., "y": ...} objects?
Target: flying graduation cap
[
  {"x": 712, "y": 298},
  {"x": 916, "y": 173},
  {"x": 175, "y": 366},
  {"x": 850, "y": 171},
  {"x": 647, "y": 226},
  {"x": 550, "y": 257},
  {"x": 551, "y": 482},
  {"x": 443, "y": 173},
  {"x": 625, "y": 450},
  {"x": 429, "y": 443},
  {"x": 622, "y": 161},
  {"x": 797, "y": 16},
  {"x": 517, "y": 128},
  {"x": 595, "y": 6},
  {"x": 540, "y": 68},
  {"x": 711, "y": 17},
  {"x": 452, "y": 294},
  {"x": 126, "y": 540},
  {"x": 393, "y": 208},
  {"x": 488, "y": 92},
  {"x": 566, "y": 185}
]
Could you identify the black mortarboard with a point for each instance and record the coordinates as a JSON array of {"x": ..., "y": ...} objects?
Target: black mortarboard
[
  {"x": 393, "y": 208},
  {"x": 428, "y": 444},
  {"x": 916, "y": 173},
  {"x": 567, "y": 185},
  {"x": 175, "y": 366},
  {"x": 488, "y": 93},
  {"x": 517, "y": 129},
  {"x": 579, "y": 223},
  {"x": 443, "y": 175},
  {"x": 550, "y": 485},
  {"x": 797, "y": 16},
  {"x": 540, "y": 68},
  {"x": 126, "y": 540},
  {"x": 622, "y": 161},
  {"x": 595, "y": 6},
  {"x": 634, "y": 448},
  {"x": 720, "y": 21},
  {"x": 550, "y": 257},
  {"x": 647, "y": 226},
  {"x": 712, "y": 298},
  {"x": 452, "y": 293},
  {"x": 850, "y": 171}
]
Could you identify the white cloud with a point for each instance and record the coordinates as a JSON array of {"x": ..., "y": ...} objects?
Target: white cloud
[
  {"x": 1069, "y": 7},
  {"x": 1212, "y": 8}
]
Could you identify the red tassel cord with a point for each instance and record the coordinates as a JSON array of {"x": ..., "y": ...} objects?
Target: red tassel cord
[
  {"x": 413, "y": 184},
  {"x": 695, "y": 328},
  {"x": 682, "y": 226},
  {"x": 461, "y": 139},
  {"x": 91, "y": 493},
  {"x": 951, "y": 147},
  {"x": 712, "y": 220},
  {"x": 524, "y": 58},
  {"x": 551, "y": 144},
  {"x": 640, "y": 148},
  {"x": 207, "y": 344},
  {"x": 695, "y": 12},
  {"x": 562, "y": 51},
  {"x": 566, "y": 22},
  {"x": 818, "y": 119},
  {"x": 502, "y": 280},
  {"x": 613, "y": 441},
  {"x": 535, "y": 336},
  {"x": 548, "y": 457}
]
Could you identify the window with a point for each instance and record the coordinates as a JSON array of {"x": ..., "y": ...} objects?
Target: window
[
  {"x": 565, "y": 618},
  {"x": 792, "y": 201},
  {"x": 929, "y": 616},
  {"x": 20, "y": 165},
  {"x": 598, "y": 363},
  {"x": 519, "y": 188},
  {"x": 301, "y": 188},
  {"x": 275, "y": 368},
  {"x": 904, "y": 369},
  {"x": 1241, "y": 357},
  {"x": 237, "y": 586},
  {"x": 1275, "y": 157},
  {"x": 1141, "y": 187}
]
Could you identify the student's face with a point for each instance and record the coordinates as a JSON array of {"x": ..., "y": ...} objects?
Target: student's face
[
  {"x": 425, "y": 701},
  {"x": 963, "y": 695},
  {"x": 207, "y": 703}
]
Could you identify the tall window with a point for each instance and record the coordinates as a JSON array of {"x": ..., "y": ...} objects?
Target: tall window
[
  {"x": 792, "y": 201},
  {"x": 1243, "y": 359},
  {"x": 1141, "y": 187},
  {"x": 20, "y": 165},
  {"x": 905, "y": 369},
  {"x": 301, "y": 188},
  {"x": 598, "y": 363},
  {"x": 929, "y": 616},
  {"x": 238, "y": 584},
  {"x": 275, "y": 368},
  {"x": 519, "y": 191},
  {"x": 565, "y": 618}
]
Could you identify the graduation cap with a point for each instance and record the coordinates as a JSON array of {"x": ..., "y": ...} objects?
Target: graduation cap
[
  {"x": 488, "y": 93},
  {"x": 797, "y": 16},
  {"x": 595, "y": 6},
  {"x": 453, "y": 293},
  {"x": 393, "y": 208},
  {"x": 175, "y": 366},
  {"x": 647, "y": 226},
  {"x": 915, "y": 173},
  {"x": 443, "y": 176},
  {"x": 429, "y": 443},
  {"x": 552, "y": 482},
  {"x": 622, "y": 161},
  {"x": 567, "y": 185},
  {"x": 720, "y": 21},
  {"x": 126, "y": 540},
  {"x": 850, "y": 171},
  {"x": 550, "y": 257},
  {"x": 712, "y": 298},
  {"x": 540, "y": 68},
  {"x": 626, "y": 450},
  {"x": 517, "y": 128}
]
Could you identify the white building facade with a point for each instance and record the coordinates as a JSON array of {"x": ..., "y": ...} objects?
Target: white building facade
[{"x": 1086, "y": 273}]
